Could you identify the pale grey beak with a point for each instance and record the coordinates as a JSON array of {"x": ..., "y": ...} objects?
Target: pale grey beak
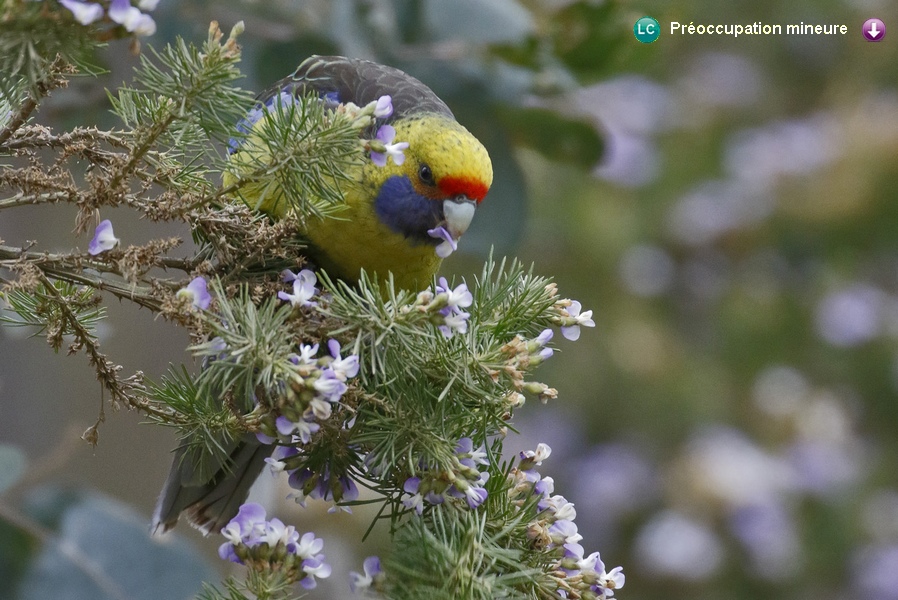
[{"x": 459, "y": 212}]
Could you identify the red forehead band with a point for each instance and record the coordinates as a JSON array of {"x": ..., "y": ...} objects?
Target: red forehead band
[{"x": 456, "y": 186}]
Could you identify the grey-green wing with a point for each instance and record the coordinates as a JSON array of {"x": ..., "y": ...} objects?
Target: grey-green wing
[{"x": 360, "y": 81}]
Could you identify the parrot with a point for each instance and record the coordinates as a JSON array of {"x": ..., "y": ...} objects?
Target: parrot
[
  {"x": 392, "y": 210},
  {"x": 383, "y": 227}
]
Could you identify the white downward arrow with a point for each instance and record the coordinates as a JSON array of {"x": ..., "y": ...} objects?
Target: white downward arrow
[{"x": 873, "y": 30}]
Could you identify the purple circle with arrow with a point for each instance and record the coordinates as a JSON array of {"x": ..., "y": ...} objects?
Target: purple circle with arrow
[{"x": 874, "y": 30}]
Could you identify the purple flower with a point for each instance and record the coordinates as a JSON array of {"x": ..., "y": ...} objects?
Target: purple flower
[
  {"x": 448, "y": 245},
  {"x": 323, "y": 487},
  {"x": 198, "y": 292},
  {"x": 302, "y": 429},
  {"x": 544, "y": 486},
  {"x": 278, "y": 460},
  {"x": 561, "y": 509},
  {"x": 84, "y": 12},
  {"x": 303, "y": 287},
  {"x": 309, "y": 545},
  {"x": 383, "y": 141},
  {"x": 572, "y": 332},
  {"x": 309, "y": 548},
  {"x": 276, "y": 532},
  {"x": 534, "y": 458},
  {"x": 564, "y": 532},
  {"x": 455, "y": 323},
  {"x": 246, "y": 528},
  {"x": 383, "y": 108},
  {"x": 572, "y": 559},
  {"x": 307, "y": 486},
  {"x": 276, "y": 465},
  {"x": 468, "y": 456},
  {"x": 345, "y": 491},
  {"x": 477, "y": 494},
  {"x": 279, "y": 542},
  {"x": 343, "y": 368},
  {"x": 104, "y": 239},
  {"x": 460, "y": 297},
  {"x": 314, "y": 567},
  {"x": 373, "y": 571},
  {"x": 265, "y": 440},
  {"x": 416, "y": 502},
  {"x": 455, "y": 320},
  {"x": 329, "y": 385},
  {"x": 544, "y": 337},
  {"x": 131, "y": 18}
]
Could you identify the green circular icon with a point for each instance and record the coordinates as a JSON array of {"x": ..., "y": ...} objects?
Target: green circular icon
[{"x": 647, "y": 30}]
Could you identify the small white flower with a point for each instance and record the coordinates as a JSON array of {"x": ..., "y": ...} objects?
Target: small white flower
[
  {"x": 307, "y": 354},
  {"x": 343, "y": 368},
  {"x": 613, "y": 580},
  {"x": 455, "y": 323},
  {"x": 277, "y": 466},
  {"x": 303, "y": 288},
  {"x": 309, "y": 546},
  {"x": 572, "y": 332},
  {"x": 232, "y": 532},
  {"x": 460, "y": 297},
  {"x": 385, "y": 148}
]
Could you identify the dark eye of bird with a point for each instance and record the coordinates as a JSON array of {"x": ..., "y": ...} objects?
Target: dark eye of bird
[{"x": 426, "y": 175}]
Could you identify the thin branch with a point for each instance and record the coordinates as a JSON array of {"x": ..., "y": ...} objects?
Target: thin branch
[
  {"x": 53, "y": 80},
  {"x": 106, "y": 371},
  {"x": 21, "y": 199},
  {"x": 70, "y": 267},
  {"x": 39, "y": 136},
  {"x": 20, "y": 117},
  {"x": 138, "y": 153}
]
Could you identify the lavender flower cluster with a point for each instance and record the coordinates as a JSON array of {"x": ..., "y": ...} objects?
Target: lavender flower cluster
[
  {"x": 121, "y": 12},
  {"x": 455, "y": 320},
  {"x": 266, "y": 546},
  {"x": 462, "y": 481},
  {"x": 554, "y": 529}
]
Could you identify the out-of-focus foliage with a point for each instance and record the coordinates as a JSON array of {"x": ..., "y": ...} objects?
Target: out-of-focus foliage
[{"x": 96, "y": 548}]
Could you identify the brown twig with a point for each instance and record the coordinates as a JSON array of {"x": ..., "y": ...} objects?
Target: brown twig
[
  {"x": 53, "y": 80},
  {"x": 107, "y": 372}
]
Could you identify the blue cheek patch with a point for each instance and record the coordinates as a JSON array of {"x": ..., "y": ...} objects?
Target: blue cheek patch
[{"x": 407, "y": 212}]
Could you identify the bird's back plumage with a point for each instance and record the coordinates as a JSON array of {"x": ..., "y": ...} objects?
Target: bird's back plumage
[{"x": 360, "y": 82}]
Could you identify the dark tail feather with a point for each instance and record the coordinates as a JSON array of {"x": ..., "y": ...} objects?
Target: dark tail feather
[{"x": 211, "y": 504}]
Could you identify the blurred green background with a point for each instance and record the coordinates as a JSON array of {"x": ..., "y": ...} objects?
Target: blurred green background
[{"x": 728, "y": 207}]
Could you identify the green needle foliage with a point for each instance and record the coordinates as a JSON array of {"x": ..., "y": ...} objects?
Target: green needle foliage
[
  {"x": 57, "y": 311},
  {"x": 31, "y": 39},
  {"x": 293, "y": 147},
  {"x": 405, "y": 394}
]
